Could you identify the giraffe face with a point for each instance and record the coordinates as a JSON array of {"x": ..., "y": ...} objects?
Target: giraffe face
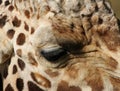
[
  {"x": 62, "y": 53},
  {"x": 55, "y": 42},
  {"x": 58, "y": 45},
  {"x": 58, "y": 51},
  {"x": 66, "y": 54}
]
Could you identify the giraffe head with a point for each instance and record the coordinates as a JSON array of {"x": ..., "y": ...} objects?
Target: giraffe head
[{"x": 60, "y": 45}]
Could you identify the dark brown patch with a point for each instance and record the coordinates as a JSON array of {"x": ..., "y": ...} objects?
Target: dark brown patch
[
  {"x": 96, "y": 8},
  {"x": 72, "y": 26},
  {"x": 26, "y": 27},
  {"x": 9, "y": 60},
  {"x": 1, "y": 83},
  {"x": 14, "y": 69},
  {"x": 32, "y": 59},
  {"x": 3, "y": 21},
  {"x": 11, "y": 8},
  {"x": 10, "y": 33},
  {"x": 20, "y": 1},
  {"x": 33, "y": 87},
  {"x": 94, "y": 80},
  {"x": 27, "y": 13},
  {"x": 38, "y": 16},
  {"x": 98, "y": 44},
  {"x": 43, "y": 81},
  {"x": 21, "y": 39},
  {"x": 51, "y": 73},
  {"x": 19, "y": 52},
  {"x": 32, "y": 30},
  {"x": 31, "y": 9},
  {"x": 7, "y": 3},
  {"x": 21, "y": 64},
  {"x": 5, "y": 56},
  {"x": 0, "y": 1},
  {"x": 16, "y": 22},
  {"x": 19, "y": 84},
  {"x": 9, "y": 88},
  {"x": 86, "y": 15},
  {"x": 5, "y": 72},
  {"x": 100, "y": 21},
  {"x": 63, "y": 86}
]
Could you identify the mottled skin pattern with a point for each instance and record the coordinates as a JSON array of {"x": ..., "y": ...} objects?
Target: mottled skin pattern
[{"x": 59, "y": 45}]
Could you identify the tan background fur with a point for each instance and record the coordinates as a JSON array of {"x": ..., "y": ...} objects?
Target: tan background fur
[{"x": 116, "y": 6}]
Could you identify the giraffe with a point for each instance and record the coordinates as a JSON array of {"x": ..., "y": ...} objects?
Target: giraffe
[{"x": 59, "y": 45}]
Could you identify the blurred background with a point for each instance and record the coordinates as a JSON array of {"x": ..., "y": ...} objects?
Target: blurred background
[{"x": 116, "y": 7}]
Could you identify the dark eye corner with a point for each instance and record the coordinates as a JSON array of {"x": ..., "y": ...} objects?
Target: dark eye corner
[{"x": 54, "y": 54}]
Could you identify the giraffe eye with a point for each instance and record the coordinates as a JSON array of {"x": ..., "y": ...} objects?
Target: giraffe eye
[{"x": 53, "y": 54}]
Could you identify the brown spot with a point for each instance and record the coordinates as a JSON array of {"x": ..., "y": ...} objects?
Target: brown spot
[
  {"x": 9, "y": 60},
  {"x": 5, "y": 57},
  {"x": 16, "y": 22},
  {"x": 96, "y": 8},
  {"x": 98, "y": 44},
  {"x": 51, "y": 73},
  {"x": 7, "y": 3},
  {"x": 21, "y": 64},
  {"x": 14, "y": 69},
  {"x": 9, "y": 88},
  {"x": 19, "y": 84},
  {"x": 63, "y": 86},
  {"x": 26, "y": 27},
  {"x": 100, "y": 21},
  {"x": 72, "y": 26},
  {"x": 94, "y": 80},
  {"x": 20, "y": 1},
  {"x": 19, "y": 52},
  {"x": 74, "y": 88},
  {"x": 38, "y": 16},
  {"x": 31, "y": 9},
  {"x": 21, "y": 39},
  {"x": 0, "y": 1},
  {"x": 5, "y": 72},
  {"x": 41, "y": 80},
  {"x": 32, "y": 59},
  {"x": 10, "y": 33},
  {"x": 33, "y": 87},
  {"x": 3, "y": 21},
  {"x": 11, "y": 8},
  {"x": 27, "y": 13},
  {"x": 32, "y": 30},
  {"x": 1, "y": 83}
]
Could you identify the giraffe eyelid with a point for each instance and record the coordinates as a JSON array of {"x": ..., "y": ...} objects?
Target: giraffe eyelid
[{"x": 53, "y": 54}]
